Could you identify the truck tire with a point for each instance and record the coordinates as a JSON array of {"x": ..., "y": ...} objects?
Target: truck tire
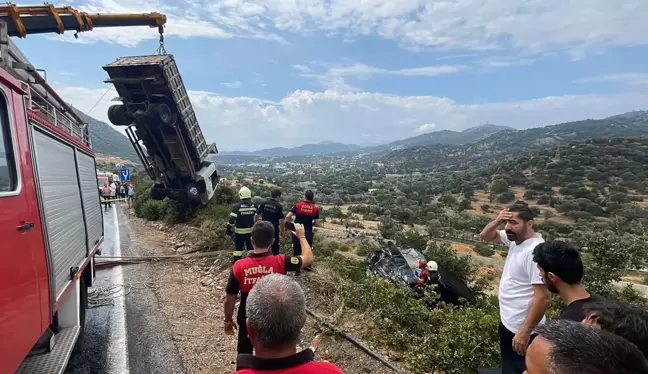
[
  {"x": 118, "y": 116},
  {"x": 162, "y": 113},
  {"x": 192, "y": 193},
  {"x": 83, "y": 306},
  {"x": 157, "y": 192}
]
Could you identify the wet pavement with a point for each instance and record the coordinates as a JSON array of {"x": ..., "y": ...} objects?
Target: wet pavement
[{"x": 130, "y": 334}]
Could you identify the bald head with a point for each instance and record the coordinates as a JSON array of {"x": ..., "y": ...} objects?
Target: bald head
[{"x": 276, "y": 311}]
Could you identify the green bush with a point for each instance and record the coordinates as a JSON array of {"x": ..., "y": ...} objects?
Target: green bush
[{"x": 484, "y": 249}]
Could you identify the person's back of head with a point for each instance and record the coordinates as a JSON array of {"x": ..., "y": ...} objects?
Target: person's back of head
[
  {"x": 262, "y": 235},
  {"x": 620, "y": 318},
  {"x": 276, "y": 193},
  {"x": 276, "y": 312},
  {"x": 561, "y": 259},
  {"x": 309, "y": 195},
  {"x": 567, "y": 347}
]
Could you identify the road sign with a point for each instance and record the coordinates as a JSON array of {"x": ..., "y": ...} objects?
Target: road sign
[{"x": 124, "y": 175}]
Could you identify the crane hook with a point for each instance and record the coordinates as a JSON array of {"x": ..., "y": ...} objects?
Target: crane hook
[{"x": 160, "y": 50}]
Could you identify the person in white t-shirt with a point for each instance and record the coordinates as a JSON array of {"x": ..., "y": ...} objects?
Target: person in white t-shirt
[{"x": 523, "y": 297}]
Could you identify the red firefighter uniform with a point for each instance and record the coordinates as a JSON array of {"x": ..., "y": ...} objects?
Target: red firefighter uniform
[
  {"x": 245, "y": 273},
  {"x": 300, "y": 363}
]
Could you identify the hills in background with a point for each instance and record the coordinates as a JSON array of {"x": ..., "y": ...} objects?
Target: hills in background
[
  {"x": 304, "y": 150},
  {"x": 108, "y": 141}
]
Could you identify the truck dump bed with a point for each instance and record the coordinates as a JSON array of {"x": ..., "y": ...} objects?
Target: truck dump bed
[{"x": 159, "y": 75}]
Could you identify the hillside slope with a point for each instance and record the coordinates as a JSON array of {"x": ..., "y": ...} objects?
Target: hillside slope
[
  {"x": 509, "y": 143},
  {"x": 108, "y": 141},
  {"x": 303, "y": 150}
]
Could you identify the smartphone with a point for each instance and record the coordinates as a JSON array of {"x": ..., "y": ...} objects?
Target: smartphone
[{"x": 289, "y": 226}]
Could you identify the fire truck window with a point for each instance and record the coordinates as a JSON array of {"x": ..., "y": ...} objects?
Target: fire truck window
[{"x": 7, "y": 166}]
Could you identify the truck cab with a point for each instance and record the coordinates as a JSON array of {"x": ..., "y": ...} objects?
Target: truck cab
[{"x": 163, "y": 128}]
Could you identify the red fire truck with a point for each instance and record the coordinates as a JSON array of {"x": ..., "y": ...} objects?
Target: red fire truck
[{"x": 51, "y": 223}]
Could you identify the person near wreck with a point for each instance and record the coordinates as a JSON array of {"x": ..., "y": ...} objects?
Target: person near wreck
[
  {"x": 247, "y": 271},
  {"x": 523, "y": 296}
]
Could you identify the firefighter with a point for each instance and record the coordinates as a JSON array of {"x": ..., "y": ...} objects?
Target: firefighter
[
  {"x": 272, "y": 211},
  {"x": 242, "y": 219},
  {"x": 246, "y": 272},
  {"x": 307, "y": 214}
]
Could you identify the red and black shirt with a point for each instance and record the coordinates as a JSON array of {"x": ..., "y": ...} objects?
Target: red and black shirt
[
  {"x": 247, "y": 271},
  {"x": 305, "y": 213},
  {"x": 299, "y": 363}
]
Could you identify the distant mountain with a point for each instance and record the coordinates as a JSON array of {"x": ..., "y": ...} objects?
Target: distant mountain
[
  {"x": 448, "y": 137},
  {"x": 304, "y": 150},
  {"x": 108, "y": 141},
  {"x": 507, "y": 143}
]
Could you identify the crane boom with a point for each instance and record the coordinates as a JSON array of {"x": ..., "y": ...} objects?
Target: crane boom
[{"x": 24, "y": 20}]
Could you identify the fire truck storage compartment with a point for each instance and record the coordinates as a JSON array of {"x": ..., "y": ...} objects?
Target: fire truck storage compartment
[{"x": 63, "y": 197}]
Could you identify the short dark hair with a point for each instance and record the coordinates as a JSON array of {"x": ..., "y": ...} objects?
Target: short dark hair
[
  {"x": 263, "y": 234},
  {"x": 579, "y": 348},
  {"x": 309, "y": 195},
  {"x": 275, "y": 193},
  {"x": 623, "y": 319},
  {"x": 560, "y": 258},
  {"x": 522, "y": 209}
]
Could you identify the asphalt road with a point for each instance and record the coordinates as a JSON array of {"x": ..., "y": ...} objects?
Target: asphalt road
[{"x": 131, "y": 335}]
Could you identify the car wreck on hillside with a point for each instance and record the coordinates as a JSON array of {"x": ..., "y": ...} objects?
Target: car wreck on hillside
[{"x": 400, "y": 266}]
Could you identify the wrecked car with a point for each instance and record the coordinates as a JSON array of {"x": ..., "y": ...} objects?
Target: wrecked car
[{"x": 400, "y": 266}]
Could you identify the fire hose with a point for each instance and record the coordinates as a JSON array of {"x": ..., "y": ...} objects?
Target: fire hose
[{"x": 108, "y": 261}]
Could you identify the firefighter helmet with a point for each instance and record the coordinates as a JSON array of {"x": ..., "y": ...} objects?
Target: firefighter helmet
[
  {"x": 432, "y": 266},
  {"x": 245, "y": 193},
  {"x": 422, "y": 263}
]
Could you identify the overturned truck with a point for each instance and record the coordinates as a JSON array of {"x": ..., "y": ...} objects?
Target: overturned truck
[
  {"x": 399, "y": 266},
  {"x": 162, "y": 127}
]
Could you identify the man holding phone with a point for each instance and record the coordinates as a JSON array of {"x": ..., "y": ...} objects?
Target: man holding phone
[
  {"x": 247, "y": 271},
  {"x": 305, "y": 213}
]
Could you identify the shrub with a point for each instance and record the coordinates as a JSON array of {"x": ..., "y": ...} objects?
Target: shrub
[
  {"x": 506, "y": 197},
  {"x": 499, "y": 186},
  {"x": 484, "y": 249}
]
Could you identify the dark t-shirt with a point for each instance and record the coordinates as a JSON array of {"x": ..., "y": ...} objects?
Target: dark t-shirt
[
  {"x": 272, "y": 211},
  {"x": 247, "y": 271},
  {"x": 575, "y": 312}
]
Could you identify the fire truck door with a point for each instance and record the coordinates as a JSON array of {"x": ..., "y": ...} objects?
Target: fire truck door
[{"x": 20, "y": 300}]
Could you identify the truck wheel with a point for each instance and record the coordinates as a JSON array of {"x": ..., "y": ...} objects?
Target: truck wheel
[
  {"x": 192, "y": 193},
  {"x": 161, "y": 112},
  {"x": 118, "y": 116},
  {"x": 157, "y": 192},
  {"x": 83, "y": 306}
]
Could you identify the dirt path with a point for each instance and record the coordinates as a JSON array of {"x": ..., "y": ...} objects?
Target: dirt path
[{"x": 191, "y": 297}]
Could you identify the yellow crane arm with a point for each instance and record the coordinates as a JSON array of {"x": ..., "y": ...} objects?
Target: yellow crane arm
[{"x": 24, "y": 20}]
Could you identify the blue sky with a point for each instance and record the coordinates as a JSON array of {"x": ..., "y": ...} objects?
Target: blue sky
[{"x": 286, "y": 72}]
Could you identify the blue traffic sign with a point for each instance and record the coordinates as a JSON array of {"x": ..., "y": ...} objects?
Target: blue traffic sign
[{"x": 124, "y": 175}]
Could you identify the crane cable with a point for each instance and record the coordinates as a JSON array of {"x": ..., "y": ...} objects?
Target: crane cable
[{"x": 160, "y": 49}]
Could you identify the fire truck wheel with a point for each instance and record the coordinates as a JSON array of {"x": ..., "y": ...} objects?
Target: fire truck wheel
[
  {"x": 157, "y": 192},
  {"x": 161, "y": 112},
  {"x": 83, "y": 306},
  {"x": 118, "y": 116}
]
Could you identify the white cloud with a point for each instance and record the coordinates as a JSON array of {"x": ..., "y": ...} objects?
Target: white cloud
[
  {"x": 302, "y": 68},
  {"x": 426, "y": 127},
  {"x": 183, "y": 21},
  {"x": 235, "y": 84},
  {"x": 633, "y": 79},
  {"x": 344, "y": 115},
  {"x": 497, "y": 62},
  {"x": 366, "y": 70},
  {"x": 527, "y": 25}
]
